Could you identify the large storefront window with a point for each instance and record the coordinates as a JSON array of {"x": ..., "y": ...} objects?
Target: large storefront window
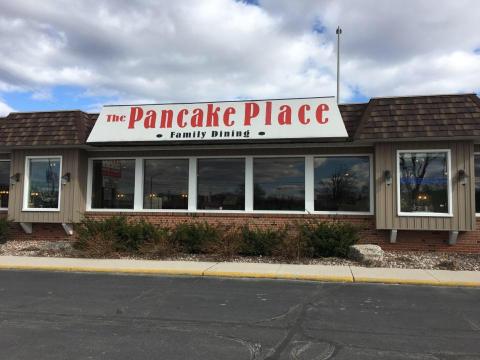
[
  {"x": 477, "y": 183},
  {"x": 342, "y": 183},
  {"x": 279, "y": 184},
  {"x": 4, "y": 183},
  {"x": 221, "y": 184},
  {"x": 113, "y": 184},
  {"x": 43, "y": 183},
  {"x": 165, "y": 184},
  {"x": 424, "y": 182}
]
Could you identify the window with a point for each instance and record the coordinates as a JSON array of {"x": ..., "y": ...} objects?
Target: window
[
  {"x": 279, "y": 184},
  {"x": 42, "y": 183},
  {"x": 221, "y": 184},
  {"x": 165, "y": 184},
  {"x": 342, "y": 183},
  {"x": 113, "y": 184},
  {"x": 424, "y": 186},
  {"x": 477, "y": 183},
  {"x": 4, "y": 183}
]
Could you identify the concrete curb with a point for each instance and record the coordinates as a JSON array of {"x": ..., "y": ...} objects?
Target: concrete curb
[{"x": 323, "y": 273}]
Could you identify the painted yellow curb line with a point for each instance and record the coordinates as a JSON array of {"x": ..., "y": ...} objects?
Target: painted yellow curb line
[
  {"x": 237, "y": 274},
  {"x": 103, "y": 270}
]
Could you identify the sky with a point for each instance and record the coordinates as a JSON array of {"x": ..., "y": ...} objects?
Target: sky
[{"x": 57, "y": 55}]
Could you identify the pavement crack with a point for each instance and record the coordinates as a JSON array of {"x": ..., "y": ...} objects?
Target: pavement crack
[{"x": 295, "y": 329}]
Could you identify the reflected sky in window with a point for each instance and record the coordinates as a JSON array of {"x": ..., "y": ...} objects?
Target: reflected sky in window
[
  {"x": 342, "y": 183},
  {"x": 44, "y": 178},
  {"x": 423, "y": 182},
  {"x": 221, "y": 184},
  {"x": 165, "y": 184},
  {"x": 113, "y": 184},
  {"x": 279, "y": 183}
]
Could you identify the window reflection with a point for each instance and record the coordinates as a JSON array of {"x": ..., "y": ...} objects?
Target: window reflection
[
  {"x": 279, "y": 184},
  {"x": 44, "y": 181},
  {"x": 342, "y": 183},
  {"x": 165, "y": 184},
  {"x": 423, "y": 182},
  {"x": 4, "y": 183},
  {"x": 221, "y": 184},
  {"x": 113, "y": 184}
]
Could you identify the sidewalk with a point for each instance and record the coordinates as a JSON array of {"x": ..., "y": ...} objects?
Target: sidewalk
[{"x": 247, "y": 270}]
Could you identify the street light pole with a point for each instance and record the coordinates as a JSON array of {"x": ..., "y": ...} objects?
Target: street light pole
[{"x": 338, "y": 32}]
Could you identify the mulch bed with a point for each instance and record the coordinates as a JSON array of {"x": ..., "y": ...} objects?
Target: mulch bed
[{"x": 392, "y": 259}]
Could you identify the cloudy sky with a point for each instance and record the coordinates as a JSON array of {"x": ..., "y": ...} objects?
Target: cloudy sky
[{"x": 81, "y": 54}]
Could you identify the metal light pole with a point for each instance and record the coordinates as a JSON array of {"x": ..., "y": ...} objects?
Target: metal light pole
[{"x": 339, "y": 32}]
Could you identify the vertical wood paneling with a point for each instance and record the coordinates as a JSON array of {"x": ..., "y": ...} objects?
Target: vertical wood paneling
[
  {"x": 463, "y": 205},
  {"x": 70, "y": 192}
]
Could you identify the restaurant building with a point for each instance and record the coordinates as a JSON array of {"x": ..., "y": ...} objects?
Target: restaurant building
[{"x": 404, "y": 169}]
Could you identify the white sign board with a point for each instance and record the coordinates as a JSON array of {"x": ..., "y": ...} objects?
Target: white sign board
[{"x": 236, "y": 120}]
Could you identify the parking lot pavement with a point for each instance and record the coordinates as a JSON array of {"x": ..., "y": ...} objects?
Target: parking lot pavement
[{"x": 54, "y": 315}]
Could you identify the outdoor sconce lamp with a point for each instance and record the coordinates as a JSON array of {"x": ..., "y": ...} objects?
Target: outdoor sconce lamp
[
  {"x": 66, "y": 178},
  {"x": 462, "y": 177},
  {"x": 15, "y": 178},
  {"x": 387, "y": 175}
]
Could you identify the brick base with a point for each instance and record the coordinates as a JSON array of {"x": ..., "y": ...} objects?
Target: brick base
[{"x": 468, "y": 242}]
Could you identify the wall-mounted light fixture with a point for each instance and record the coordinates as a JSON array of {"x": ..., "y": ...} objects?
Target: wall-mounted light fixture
[
  {"x": 15, "y": 178},
  {"x": 387, "y": 176},
  {"x": 462, "y": 177},
  {"x": 66, "y": 178}
]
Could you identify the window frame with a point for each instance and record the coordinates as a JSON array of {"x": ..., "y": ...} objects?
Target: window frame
[
  {"x": 26, "y": 183},
  {"x": 192, "y": 185},
  {"x": 9, "y": 174},
  {"x": 449, "y": 184},
  {"x": 475, "y": 153}
]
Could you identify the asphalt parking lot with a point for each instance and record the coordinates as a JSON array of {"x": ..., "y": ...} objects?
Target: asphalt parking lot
[{"x": 53, "y": 315}]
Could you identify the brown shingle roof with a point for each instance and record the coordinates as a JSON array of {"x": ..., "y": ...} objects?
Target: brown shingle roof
[
  {"x": 381, "y": 119},
  {"x": 351, "y": 115},
  {"x": 434, "y": 116},
  {"x": 45, "y": 128}
]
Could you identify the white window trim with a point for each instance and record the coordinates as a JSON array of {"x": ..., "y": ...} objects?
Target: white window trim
[
  {"x": 26, "y": 184},
  {"x": 473, "y": 177},
  {"x": 449, "y": 184},
  {"x": 192, "y": 185},
  {"x": 10, "y": 161}
]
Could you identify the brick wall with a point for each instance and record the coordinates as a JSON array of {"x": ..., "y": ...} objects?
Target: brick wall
[{"x": 468, "y": 242}]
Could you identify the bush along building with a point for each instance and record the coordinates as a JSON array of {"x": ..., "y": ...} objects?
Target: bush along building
[{"x": 404, "y": 169}]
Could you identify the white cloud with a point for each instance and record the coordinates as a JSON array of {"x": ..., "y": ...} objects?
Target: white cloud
[
  {"x": 5, "y": 109},
  {"x": 223, "y": 49}
]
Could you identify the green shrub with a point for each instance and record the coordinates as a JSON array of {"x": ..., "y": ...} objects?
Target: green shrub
[
  {"x": 115, "y": 235},
  {"x": 194, "y": 237},
  {"x": 256, "y": 241},
  {"x": 227, "y": 244},
  {"x": 3, "y": 230},
  {"x": 325, "y": 239}
]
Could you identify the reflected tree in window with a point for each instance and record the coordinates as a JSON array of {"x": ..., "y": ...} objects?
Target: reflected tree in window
[
  {"x": 342, "y": 183},
  {"x": 423, "y": 182},
  {"x": 44, "y": 181}
]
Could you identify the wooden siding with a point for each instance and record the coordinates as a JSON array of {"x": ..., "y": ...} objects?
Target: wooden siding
[
  {"x": 463, "y": 203},
  {"x": 72, "y": 197}
]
